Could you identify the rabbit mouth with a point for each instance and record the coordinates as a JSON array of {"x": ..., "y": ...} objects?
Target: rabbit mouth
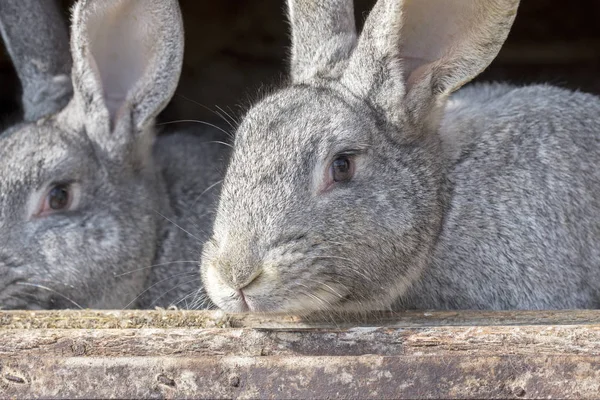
[
  {"x": 243, "y": 303},
  {"x": 290, "y": 301},
  {"x": 240, "y": 302}
]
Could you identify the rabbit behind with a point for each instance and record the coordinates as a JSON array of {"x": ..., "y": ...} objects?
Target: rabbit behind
[
  {"x": 92, "y": 208},
  {"x": 364, "y": 185}
]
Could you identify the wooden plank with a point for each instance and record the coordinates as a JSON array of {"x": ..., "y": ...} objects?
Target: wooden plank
[
  {"x": 180, "y": 354},
  {"x": 131, "y": 319},
  {"x": 246, "y": 342},
  {"x": 304, "y": 377}
]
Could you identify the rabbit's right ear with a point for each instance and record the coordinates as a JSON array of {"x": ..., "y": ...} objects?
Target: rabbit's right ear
[
  {"x": 127, "y": 59},
  {"x": 36, "y": 37},
  {"x": 323, "y": 36},
  {"x": 413, "y": 53}
]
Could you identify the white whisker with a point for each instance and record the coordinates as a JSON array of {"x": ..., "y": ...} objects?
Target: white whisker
[
  {"x": 228, "y": 122},
  {"x": 195, "y": 237},
  {"x": 233, "y": 121},
  {"x": 154, "y": 265},
  {"x": 50, "y": 290},
  {"x": 204, "y": 192},
  {"x": 173, "y": 288},
  {"x": 161, "y": 281},
  {"x": 195, "y": 121}
]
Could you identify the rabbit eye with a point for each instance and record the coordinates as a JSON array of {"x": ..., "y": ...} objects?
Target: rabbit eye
[
  {"x": 342, "y": 169},
  {"x": 59, "y": 198}
]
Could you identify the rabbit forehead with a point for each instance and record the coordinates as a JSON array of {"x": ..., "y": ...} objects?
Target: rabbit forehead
[
  {"x": 301, "y": 119},
  {"x": 30, "y": 152}
]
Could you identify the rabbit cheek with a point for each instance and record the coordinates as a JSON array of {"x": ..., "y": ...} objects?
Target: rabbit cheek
[
  {"x": 103, "y": 235},
  {"x": 94, "y": 240}
]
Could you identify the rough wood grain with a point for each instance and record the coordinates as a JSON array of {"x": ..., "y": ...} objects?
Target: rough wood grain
[
  {"x": 133, "y": 319},
  {"x": 178, "y": 354}
]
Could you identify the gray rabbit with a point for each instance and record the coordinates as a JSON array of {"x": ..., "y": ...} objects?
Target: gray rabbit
[
  {"x": 95, "y": 210},
  {"x": 364, "y": 185}
]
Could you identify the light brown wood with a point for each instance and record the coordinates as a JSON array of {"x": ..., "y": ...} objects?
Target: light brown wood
[
  {"x": 201, "y": 354},
  {"x": 129, "y": 319}
]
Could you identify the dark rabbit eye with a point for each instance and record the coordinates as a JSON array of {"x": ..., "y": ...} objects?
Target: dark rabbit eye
[
  {"x": 342, "y": 169},
  {"x": 59, "y": 198}
]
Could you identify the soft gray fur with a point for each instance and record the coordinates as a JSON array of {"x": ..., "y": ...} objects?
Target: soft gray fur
[
  {"x": 140, "y": 206},
  {"x": 488, "y": 199},
  {"x": 36, "y": 38}
]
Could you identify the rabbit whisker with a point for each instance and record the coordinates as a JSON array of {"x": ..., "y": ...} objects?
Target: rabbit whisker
[
  {"x": 229, "y": 122},
  {"x": 327, "y": 286},
  {"x": 204, "y": 192},
  {"x": 159, "y": 282},
  {"x": 232, "y": 119},
  {"x": 50, "y": 290},
  {"x": 194, "y": 121},
  {"x": 202, "y": 302},
  {"x": 314, "y": 296},
  {"x": 195, "y": 301},
  {"x": 184, "y": 298},
  {"x": 195, "y": 237},
  {"x": 220, "y": 142},
  {"x": 154, "y": 265},
  {"x": 173, "y": 288}
]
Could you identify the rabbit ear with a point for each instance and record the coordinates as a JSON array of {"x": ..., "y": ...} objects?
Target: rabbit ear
[
  {"x": 35, "y": 35},
  {"x": 323, "y": 35},
  {"x": 127, "y": 58},
  {"x": 413, "y": 53}
]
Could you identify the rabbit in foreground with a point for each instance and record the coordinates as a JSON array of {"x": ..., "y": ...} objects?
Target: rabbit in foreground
[
  {"x": 364, "y": 185},
  {"x": 92, "y": 211}
]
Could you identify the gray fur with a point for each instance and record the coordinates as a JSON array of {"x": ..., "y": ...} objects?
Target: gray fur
[
  {"x": 141, "y": 208},
  {"x": 320, "y": 52},
  {"x": 487, "y": 199},
  {"x": 36, "y": 38}
]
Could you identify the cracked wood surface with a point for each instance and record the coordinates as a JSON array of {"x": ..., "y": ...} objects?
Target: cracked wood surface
[{"x": 203, "y": 354}]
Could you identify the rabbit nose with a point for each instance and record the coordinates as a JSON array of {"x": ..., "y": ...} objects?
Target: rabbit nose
[
  {"x": 238, "y": 260},
  {"x": 238, "y": 278},
  {"x": 239, "y": 271}
]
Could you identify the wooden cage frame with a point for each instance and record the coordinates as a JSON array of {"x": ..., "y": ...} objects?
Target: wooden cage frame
[{"x": 208, "y": 354}]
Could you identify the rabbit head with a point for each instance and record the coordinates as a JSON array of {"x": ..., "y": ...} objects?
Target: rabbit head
[
  {"x": 78, "y": 189},
  {"x": 333, "y": 197}
]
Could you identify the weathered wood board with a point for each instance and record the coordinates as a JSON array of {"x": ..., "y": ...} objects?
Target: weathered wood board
[{"x": 195, "y": 354}]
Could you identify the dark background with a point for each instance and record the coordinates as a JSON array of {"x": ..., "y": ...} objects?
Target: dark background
[{"x": 233, "y": 47}]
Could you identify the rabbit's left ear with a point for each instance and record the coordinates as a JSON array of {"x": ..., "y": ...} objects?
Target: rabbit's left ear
[
  {"x": 127, "y": 59},
  {"x": 35, "y": 35},
  {"x": 413, "y": 53}
]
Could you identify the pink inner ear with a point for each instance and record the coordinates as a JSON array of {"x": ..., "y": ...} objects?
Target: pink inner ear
[
  {"x": 430, "y": 28},
  {"x": 414, "y": 69},
  {"x": 121, "y": 40},
  {"x": 454, "y": 40}
]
